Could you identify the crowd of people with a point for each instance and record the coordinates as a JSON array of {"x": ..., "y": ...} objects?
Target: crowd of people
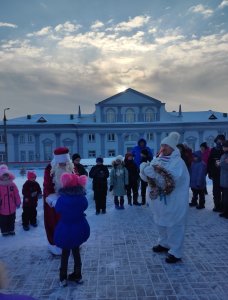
[{"x": 165, "y": 178}]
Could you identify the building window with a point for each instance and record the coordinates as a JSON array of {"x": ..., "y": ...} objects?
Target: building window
[
  {"x": 149, "y": 136},
  {"x": 2, "y": 138},
  {"x": 92, "y": 153},
  {"x": 129, "y": 116},
  {"x": 91, "y": 137},
  {"x": 130, "y": 137},
  {"x": 69, "y": 144},
  {"x": 2, "y": 156},
  {"x": 110, "y": 116},
  {"x": 111, "y": 137},
  {"x": 48, "y": 150},
  {"x": 21, "y": 139},
  {"x": 22, "y": 156},
  {"x": 149, "y": 115},
  {"x": 31, "y": 156},
  {"x": 111, "y": 153},
  {"x": 30, "y": 139}
]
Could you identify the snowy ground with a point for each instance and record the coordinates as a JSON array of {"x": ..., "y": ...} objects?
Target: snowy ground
[{"x": 118, "y": 263}]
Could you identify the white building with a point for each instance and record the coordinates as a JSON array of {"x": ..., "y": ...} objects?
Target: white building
[{"x": 114, "y": 128}]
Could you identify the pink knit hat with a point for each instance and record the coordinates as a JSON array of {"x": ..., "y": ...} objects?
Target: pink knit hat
[
  {"x": 4, "y": 170},
  {"x": 68, "y": 180},
  {"x": 31, "y": 175}
]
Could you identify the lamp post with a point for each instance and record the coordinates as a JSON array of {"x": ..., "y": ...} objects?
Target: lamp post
[{"x": 5, "y": 135}]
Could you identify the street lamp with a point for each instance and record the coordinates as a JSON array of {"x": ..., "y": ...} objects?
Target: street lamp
[{"x": 5, "y": 135}]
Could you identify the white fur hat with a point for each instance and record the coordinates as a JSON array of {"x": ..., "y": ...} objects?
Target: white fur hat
[
  {"x": 119, "y": 157},
  {"x": 171, "y": 140}
]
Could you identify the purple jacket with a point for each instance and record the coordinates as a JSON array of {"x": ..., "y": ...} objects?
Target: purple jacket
[{"x": 9, "y": 197}]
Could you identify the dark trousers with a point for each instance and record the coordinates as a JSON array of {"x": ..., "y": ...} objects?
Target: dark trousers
[
  {"x": 29, "y": 215},
  {"x": 217, "y": 193},
  {"x": 225, "y": 200},
  {"x": 117, "y": 202},
  {"x": 198, "y": 193},
  {"x": 143, "y": 190},
  {"x": 7, "y": 223},
  {"x": 64, "y": 262},
  {"x": 100, "y": 200},
  {"x": 132, "y": 188}
]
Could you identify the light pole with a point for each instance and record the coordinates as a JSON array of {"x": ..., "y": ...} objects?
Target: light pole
[{"x": 5, "y": 135}]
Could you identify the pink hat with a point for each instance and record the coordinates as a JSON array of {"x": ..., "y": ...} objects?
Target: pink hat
[
  {"x": 61, "y": 155},
  {"x": 4, "y": 170},
  {"x": 68, "y": 180},
  {"x": 31, "y": 175}
]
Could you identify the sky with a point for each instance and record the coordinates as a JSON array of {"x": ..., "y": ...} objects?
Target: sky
[{"x": 56, "y": 55}]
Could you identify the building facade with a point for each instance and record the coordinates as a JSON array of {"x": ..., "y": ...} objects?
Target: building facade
[{"x": 114, "y": 128}]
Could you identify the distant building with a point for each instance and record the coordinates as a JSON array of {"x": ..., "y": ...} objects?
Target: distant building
[{"x": 114, "y": 128}]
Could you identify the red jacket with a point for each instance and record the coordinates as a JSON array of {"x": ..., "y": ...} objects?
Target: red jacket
[{"x": 9, "y": 197}]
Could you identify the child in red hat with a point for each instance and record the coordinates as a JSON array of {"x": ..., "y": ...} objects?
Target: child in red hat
[{"x": 31, "y": 191}]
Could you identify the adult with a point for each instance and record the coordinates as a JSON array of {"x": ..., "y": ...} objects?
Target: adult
[
  {"x": 99, "y": 173},
  {"x": 142, "y": 153},
  {"x": 224, "y": 179},
  {"x": 79, "y": 169},
  {"x": 214, "y": 171},
  {"x": 60, "y": 164},
  {"x": 185, "y": 158},
  {"x": 168, "y": 188}
]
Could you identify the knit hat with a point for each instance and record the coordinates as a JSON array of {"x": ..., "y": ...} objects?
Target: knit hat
[
  {"x": 119, "y": 157},
  {"x": 99, "y": 160},
  {"x": 75, "y": 156},
  {"x": 225, "y": 144},
  {"x": 61, "y": 155},
  {"x": 219, "y": 137},
  {"x": 171, "y": 140},
  {"x": 69, "y": 180},
  {"x": 31, "y": 175},
  {"x": 4, "y": 170}
]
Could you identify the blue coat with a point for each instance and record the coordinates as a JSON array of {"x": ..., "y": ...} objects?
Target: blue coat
[
  {"x": 72, "y": 229},
  {"x": 198, "y": 173},
  {"x": 136, "y": 151}
]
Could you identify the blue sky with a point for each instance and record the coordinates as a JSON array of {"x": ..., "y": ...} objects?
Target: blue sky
[{"x": 56, "y": 55}]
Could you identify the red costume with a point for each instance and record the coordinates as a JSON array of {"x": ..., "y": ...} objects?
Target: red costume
[{"x": 51, "y": 218}]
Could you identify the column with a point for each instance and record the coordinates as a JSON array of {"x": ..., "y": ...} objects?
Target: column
[
  {"x": 16, "y": 146},
  {"x": 37, "y": 146},
  {"x": 102, "y": 144},
  {"x": 57, "y": 139}
]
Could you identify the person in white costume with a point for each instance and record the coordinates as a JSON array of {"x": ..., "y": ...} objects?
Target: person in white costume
[{"x": 168, "y": 187}]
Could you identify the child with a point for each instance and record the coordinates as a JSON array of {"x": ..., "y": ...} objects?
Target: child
[
  {"x": 223, "y": 163},
  {"x": 9, "y": 201},
  {"x": 198, "y": 180},
  {"x": 133, "y": 178},
  {"x": 100, "y": 173},
  {"x": 118, "y": 181},
  {"x": 31, "y": 191},
  {"x": 72, "y": 229}
]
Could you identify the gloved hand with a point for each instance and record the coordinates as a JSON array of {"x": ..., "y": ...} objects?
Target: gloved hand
[{"x": 111, "y": 188}]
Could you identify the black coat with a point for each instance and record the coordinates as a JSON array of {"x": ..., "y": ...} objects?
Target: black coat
[
  {"x": 99, "y": 174},
  {"x": 80, "y": 170},
  {"x": 212, "y": 169}
]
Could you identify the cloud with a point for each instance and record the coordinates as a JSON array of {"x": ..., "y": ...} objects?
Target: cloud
[
  {"x": 136, "y": 22},
  {"x": 201, "y": 9},
  {"x": 2, "y": 24},
  {"x": 223, "y": 4},
  {"x": 90, "y": 65},
  {"x": 97, "y": 25}
]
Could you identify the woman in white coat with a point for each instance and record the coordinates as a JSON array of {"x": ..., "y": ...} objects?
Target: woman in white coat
[{"x": 168, "y": 188}]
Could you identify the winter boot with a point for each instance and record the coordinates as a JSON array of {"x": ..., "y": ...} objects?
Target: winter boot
[{"x": 76, "y": 277}]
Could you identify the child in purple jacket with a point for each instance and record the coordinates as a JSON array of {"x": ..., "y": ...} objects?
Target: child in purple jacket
[{"x": 9, "y": 201}]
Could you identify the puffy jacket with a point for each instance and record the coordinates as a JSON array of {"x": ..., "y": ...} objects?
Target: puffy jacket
[
  {"x": 9, "y": 197},
  {"x": 31, "y": 191},
  {"x": 224, "y": 170}
]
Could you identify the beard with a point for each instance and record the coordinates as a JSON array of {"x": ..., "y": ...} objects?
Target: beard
[{"x": 57, "y": 172}]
